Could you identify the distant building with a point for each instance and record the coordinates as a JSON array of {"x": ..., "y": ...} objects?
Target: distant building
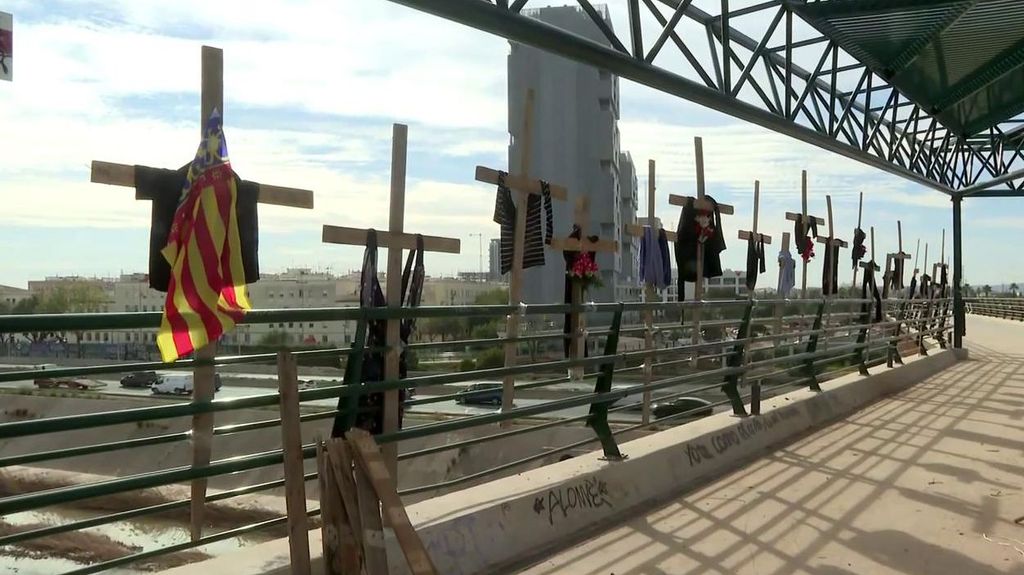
[
  {"x": 295, "y": 288},
  {"x": 11, "y": 296},
  {"x": 494, "y": 259},
  {"x": 575, "y": 143}
]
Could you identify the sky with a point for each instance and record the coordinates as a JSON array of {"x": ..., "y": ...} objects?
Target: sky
[{"x": 312, "y": 88}]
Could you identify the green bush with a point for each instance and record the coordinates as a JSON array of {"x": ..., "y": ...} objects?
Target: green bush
[
  {"x": 491, "y": 358},
  {"x": 467, "y": 365}
]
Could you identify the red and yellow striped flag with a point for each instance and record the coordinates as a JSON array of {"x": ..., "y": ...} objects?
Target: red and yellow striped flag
[{"x": 206, "y": 294}]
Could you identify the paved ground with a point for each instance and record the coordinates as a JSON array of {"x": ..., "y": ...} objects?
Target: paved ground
[{"x": 928, "y": 482}]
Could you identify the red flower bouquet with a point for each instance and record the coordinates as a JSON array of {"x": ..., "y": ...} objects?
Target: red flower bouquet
[{"x": 584, "y": 270}]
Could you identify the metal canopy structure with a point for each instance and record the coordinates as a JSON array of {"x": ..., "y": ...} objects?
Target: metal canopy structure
[{"x": 930, "y": 90}]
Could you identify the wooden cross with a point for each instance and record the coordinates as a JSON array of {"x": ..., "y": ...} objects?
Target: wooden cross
[
  {"x": 522, "y": 187},
  {"x": 395, "y": 239},
  {"x": 577, "y": 320},
  {"x": 830, "y": 242},
  {"x": 805, "y": 220},
  {"x": 212, "y": 98},
  {"x": 700, "y": 203},
  {"x": 890, "y": 259},
  {"x": 747, "y": 235},
  {"x": 937, "y": 267},
  {"x": 871, "y": 263},
  {"x": 860, "y": 213},
  {"x": 650, "y": 292}
]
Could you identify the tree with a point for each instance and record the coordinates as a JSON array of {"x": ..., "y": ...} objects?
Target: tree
[
  {"x": 275, "y": 338},
  {"x": 986, "y": 289},
  {"x": 1014, "y": 288},
  {"x": 73, "y": 297}
]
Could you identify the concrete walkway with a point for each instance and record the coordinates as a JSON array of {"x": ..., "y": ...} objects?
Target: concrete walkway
[{"x": 927, "y": 482}]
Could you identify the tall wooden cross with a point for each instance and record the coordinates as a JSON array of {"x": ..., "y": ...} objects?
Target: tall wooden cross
[
  {"x": 396, "y": 239},
  {"x": 650, "y": 292},
  {"x": 860, "y": 213},
  {"x": 522, "y": 187},
  {"x": 830, "y": 242},
  {"x": 212, "y": 98},
  {"x": 805, "y": 220},
  {"x": 752, "y": 233},
  {"x": 939, "y": 265},
  {"x": 700, "y": 203},
  {"x": 581, "y": 216},
  {"x": 891, "y": 259}
]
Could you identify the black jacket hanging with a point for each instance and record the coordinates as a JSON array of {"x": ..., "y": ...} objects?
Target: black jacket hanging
[
  {"x": 804, "y": 244},
  {"x": 830, "y": 270},
  {"x": 570, "y": 259},
  {"x": 164, "y": 187},
  {"x": 755, "y": 260},
  {"x": 896, "y": 279},
  {"x": 687, "y": 240},
  {"x": 535, "y": 238},
  {"x": 371, "y": 405},
  {"x": 859, "y": 249},
  {"x": 870, "y": 289}
]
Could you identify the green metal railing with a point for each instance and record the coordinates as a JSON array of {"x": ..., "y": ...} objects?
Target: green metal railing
[
  {"x": 1001, "y": 307},
  {"x": 770, "y": 352}
]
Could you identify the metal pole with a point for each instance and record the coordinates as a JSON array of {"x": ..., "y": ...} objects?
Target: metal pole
[{"x": 959, "y": 320}]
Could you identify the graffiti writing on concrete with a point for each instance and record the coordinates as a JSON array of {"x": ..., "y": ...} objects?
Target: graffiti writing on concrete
[
  {"x": 591, "y": 494},
  {"x": 699, "y": 452}
]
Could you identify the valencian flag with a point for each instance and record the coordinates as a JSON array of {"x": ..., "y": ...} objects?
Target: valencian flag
[{"x": 206, "y": 293}]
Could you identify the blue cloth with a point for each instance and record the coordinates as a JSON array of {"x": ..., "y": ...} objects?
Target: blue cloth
[
  {"x": 787, "y": 273},
  {"x": 655, "y": 269}
]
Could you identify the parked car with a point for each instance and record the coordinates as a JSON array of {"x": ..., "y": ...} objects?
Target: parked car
[
  {"x": 480, "y": 394},
  {"x": 140, "y": 379},
  {"x": 696, "y": 407},
  {"x": 179, "y": 384}
]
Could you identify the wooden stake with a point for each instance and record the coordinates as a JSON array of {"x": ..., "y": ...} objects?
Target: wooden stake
[
  {"x": 369, "y": 460},
  {"x": 395, "y": 239},
  {"x": 860, "y": 213},
  {"x": 830, "y": 242},
  {"x": 578, "y": 320},
  {"x": 211, "y": 98},
  {"x": 294, "y": 463},
  {"x": 805, "y": 220},
  {"x": 701, "y": 203}
]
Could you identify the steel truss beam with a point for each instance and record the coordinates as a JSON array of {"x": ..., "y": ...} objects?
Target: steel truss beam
[{"x": 756, "y": 79}]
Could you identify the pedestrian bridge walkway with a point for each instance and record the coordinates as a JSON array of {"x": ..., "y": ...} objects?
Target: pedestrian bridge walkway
[{"x": 928, "y": 481}]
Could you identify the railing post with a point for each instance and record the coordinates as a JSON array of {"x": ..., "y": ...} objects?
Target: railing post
[
  {"x": 598, "y": 420},
  {"x": 736, "y": 360},
  {"x": 812, "y": 346},
  {"x": 864, "y": 346},
  {"x": 294, "y": 465}
]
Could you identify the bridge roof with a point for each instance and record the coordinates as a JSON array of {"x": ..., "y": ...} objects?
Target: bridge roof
[{"x": 962, "y": 60}]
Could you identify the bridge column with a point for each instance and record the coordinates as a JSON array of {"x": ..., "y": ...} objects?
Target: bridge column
[{"x": 959, "y": 319}]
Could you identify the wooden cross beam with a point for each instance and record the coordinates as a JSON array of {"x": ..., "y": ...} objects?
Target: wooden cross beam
[
  {"x": 581, "y": 217},
  {"x": 650, "y": 292},
  {"x": 211, "y": 98},
  {"x": 522, "y": 187},
  {"x": 395, "y": 239},
  {"x": 805, "y": 220},
  {"x": 830, "y": 242},
  {"x": 700, "y": 203},
  {"x": 746, "y": 235},
  {"x": 637, "y": 229}
]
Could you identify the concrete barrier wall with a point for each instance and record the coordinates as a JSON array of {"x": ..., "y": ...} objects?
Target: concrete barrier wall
[{"x": 507, "y": 523}]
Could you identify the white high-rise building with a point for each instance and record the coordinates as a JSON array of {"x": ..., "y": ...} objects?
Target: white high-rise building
[{"x": 575, "y": 143}]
